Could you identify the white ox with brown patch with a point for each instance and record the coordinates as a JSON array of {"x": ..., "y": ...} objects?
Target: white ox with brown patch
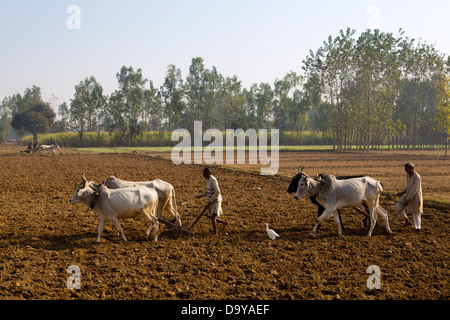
[
  {"x": 117, "y": 204},
  {"x": 335, "y": 194}
]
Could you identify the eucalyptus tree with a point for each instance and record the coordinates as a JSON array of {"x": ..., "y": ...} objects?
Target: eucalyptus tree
[
  {"x": 212, "y": 107},
  {"x": 421, "y": 66},
  {"x": 5, "y": 125},
  {"x": 173, "y": 96},
  {"x": 153, "y": 113},
  {"x": 251, "y": 107},
  {"x": 332, "y": 68},
  {"x": 131, "y": 86},
  {"x": 311, "y": 66},
  {"x": 298, "y": 111},
  {"x": 263, "y": 95},
  {"x": 282, "y": 100},
  {"x": 259, "y": 100},
  {"x": 117, "y": 114},
  {"x": 63, "y": 124},
  {"x": 443, "y": 106},
  {"x": 375, "y": 66},
  {"x": 195, "y": 90},
  {"x": 86, "y": 106},
  {"x": 6, "y": 107},
  {"x": 233, "y": 105}
]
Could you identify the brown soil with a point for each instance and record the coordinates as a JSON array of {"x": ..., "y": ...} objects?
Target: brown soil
[{"x": 41, "y": 234}]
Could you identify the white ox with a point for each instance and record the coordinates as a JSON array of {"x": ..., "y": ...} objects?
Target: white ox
[
  {"x": 121, "y": 203},
  {"x": 48, "y": 147},
  {"x": 335, "y": 194},
  {"x": 165, "y": 191}
]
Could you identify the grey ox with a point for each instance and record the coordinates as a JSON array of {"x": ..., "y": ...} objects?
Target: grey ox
[
  {"x": 121, "y": 203},
  {"x": 165, "y": 190},
  {"x": 335, "y": 194}
]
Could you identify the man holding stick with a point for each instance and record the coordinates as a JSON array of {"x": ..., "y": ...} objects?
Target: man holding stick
[
  {"x": 413, "y": 199},
  {"x": 214, "y": 199}
]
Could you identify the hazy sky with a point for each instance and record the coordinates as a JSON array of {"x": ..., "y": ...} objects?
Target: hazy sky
[{"x": 258, "y": 41}]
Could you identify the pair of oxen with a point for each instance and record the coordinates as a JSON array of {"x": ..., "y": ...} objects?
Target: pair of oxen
[{"x": 332, "y": 193}]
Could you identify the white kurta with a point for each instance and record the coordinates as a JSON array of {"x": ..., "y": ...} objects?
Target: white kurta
[
  {"x": 413, "y": 194},
  {"x": 213, "y": 193}
]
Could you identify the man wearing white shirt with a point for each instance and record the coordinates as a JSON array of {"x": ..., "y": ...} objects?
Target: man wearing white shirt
[
  {"x": 214, "y": 199},
  {"x": 413, "y": 199}
]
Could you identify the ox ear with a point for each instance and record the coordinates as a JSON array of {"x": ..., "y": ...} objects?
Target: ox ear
[{"x": 300, "y": 170}]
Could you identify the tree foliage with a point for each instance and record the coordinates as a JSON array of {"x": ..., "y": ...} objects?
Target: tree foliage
[
  {"x": 443, "y": 105},
  {"x": 380, "y": 88},
  {"x": 38, "y": 118},
  {"x": 365, "y": 90}
]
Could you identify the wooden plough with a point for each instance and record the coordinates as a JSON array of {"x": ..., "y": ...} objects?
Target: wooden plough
[
  {"x": 173, "y": 225},
  {"x": 181, "y": 229}
]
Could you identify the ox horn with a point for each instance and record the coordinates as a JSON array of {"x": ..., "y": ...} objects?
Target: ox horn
[{"x": 82, "y": 177}]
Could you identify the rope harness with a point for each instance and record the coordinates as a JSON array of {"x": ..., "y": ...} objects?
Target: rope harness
[
  {"x": 319, "y": 188},
  {"x": 95, "y": 194},
  {"x": 94, "y": 199}
]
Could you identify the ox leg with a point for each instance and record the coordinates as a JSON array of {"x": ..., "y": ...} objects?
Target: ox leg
[
  {"x": 384, "y": 214},
  {"x": 173, "y": 205},
  {"x": 366, "y": 219},
  {"x": 337, "y": 219},
  {"x": 320, "y": 208},
  {"x": 160, "y": 207},
  {"x": 154, "y": 225},
  {"x": 116, "y": 223},
  {"x": 340, "y": 220},
  {"x": 150, "y": 214},
  {"x": 373, "y": 219},
  {"x": 177, "y": 217},
  {"x": 325, "y": 214},
  {"x": 150, "y": 227},
  {"x": 171, "y": 209},
  {"x": 155, "y": 229},
  {"x": 101, "y": 226}
]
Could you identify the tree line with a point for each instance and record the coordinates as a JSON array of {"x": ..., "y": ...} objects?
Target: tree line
[
  {"x": 379, "y": 89},
  {"x": 372, "y": 90}
]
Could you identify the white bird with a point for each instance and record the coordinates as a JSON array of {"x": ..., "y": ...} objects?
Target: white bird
[{"x": 272, "y": 234}]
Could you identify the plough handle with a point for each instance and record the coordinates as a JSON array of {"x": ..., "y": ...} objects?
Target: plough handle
[{"x": 198, "y": 218}]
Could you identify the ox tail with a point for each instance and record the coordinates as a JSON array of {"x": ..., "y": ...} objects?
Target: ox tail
[{"x": 379, "y": 187}]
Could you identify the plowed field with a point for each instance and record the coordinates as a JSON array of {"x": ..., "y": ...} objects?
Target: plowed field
[{"x": 41, "y": 234}]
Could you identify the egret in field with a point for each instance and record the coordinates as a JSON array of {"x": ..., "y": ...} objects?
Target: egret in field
[{"x": 272, "y": 234}]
